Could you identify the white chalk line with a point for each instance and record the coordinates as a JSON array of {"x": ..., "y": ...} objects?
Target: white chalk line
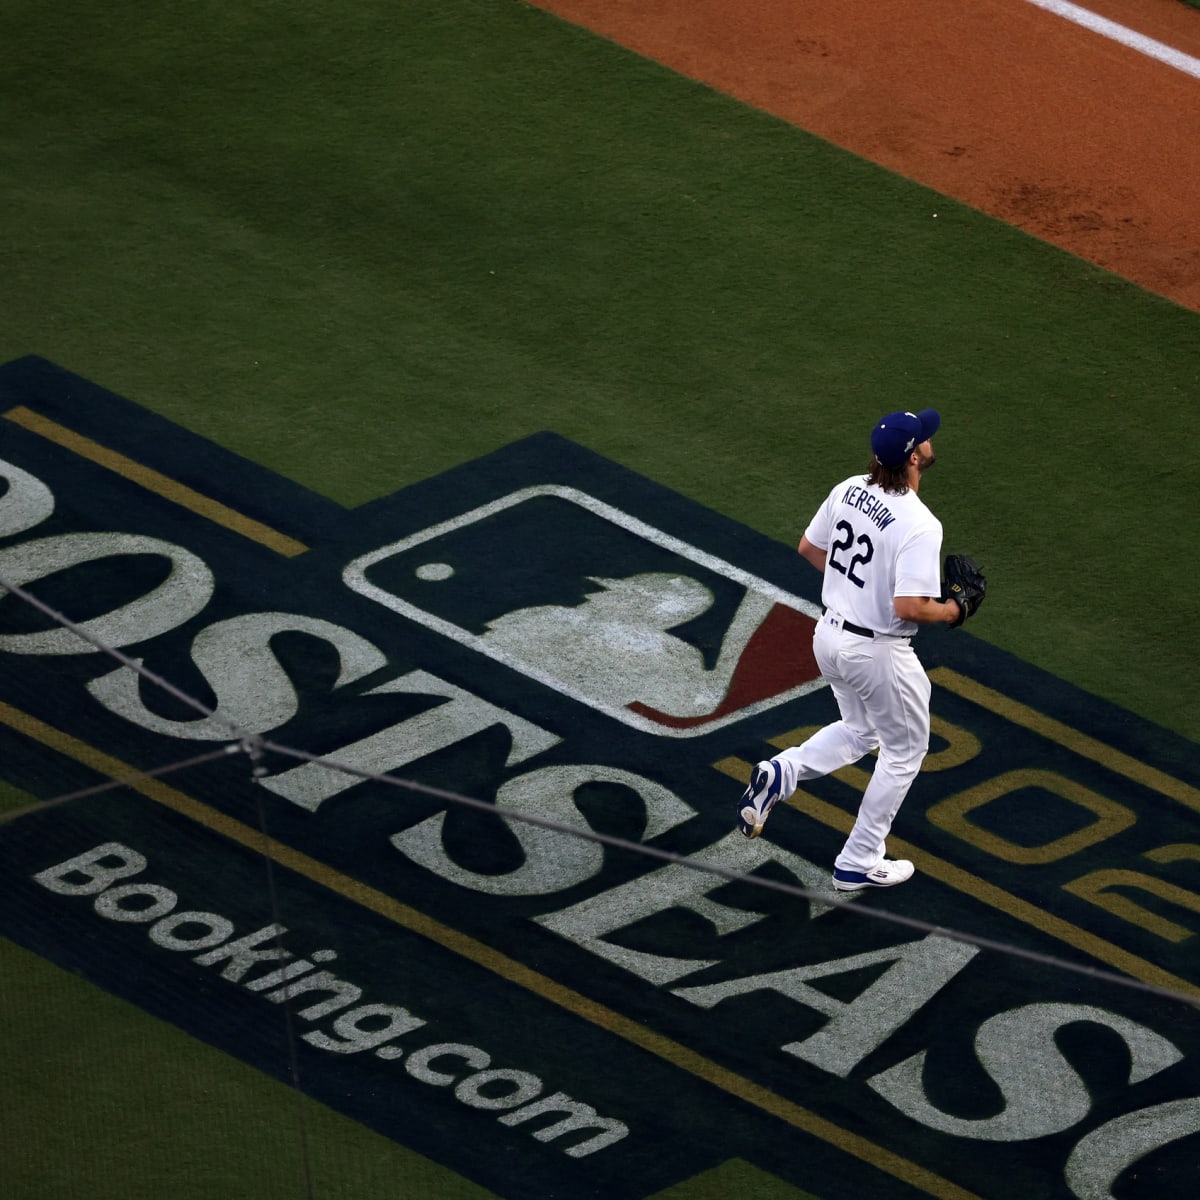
[{"x": 1119, "y": 33}]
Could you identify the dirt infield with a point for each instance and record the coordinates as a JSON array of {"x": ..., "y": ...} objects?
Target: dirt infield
[{"x": 1066, "y": 134}]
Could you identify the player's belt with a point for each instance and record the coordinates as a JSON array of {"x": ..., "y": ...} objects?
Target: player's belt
[
  {"x": 861, "y": 630},
  {"x": 850, "y": 627}
]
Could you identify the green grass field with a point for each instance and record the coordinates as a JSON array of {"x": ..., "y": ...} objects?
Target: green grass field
[{"x": 360, "y": 246}]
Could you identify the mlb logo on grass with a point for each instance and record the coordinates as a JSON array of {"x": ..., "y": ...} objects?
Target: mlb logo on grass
[{"x": 602, "y": 607}]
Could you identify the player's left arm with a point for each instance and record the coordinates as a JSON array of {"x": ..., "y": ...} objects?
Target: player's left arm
[
  {"x": 925, "y": 610},
  {"x": 813, "y": 554},
  {"x": 918, "y": 580}
]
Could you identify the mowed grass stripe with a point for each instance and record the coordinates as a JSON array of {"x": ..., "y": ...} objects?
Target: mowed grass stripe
[
  {"x": 492, "y": 960},
  {"x": 155, "y": 481}
]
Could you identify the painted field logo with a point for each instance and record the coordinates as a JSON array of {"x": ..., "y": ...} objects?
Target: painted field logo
[
  {"x": 616, "y": 643},
  {"x": 544, "y": 631}
]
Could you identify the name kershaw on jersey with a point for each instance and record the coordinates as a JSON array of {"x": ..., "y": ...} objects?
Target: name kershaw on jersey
[{"x": 869, "y": 505}]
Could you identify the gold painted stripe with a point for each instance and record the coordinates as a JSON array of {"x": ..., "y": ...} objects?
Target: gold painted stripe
[
  {"x": 1065, "y": 735},
  {"x": 493, "y": 960},
  {"x": 979, "y": 889},
  {"x": 154, "y": 481}
]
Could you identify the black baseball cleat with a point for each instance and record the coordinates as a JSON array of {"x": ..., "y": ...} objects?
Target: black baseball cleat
[{"x": 760, "y": 797}]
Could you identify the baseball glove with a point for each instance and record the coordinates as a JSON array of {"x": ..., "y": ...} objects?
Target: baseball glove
[{"x": 965, "y": 582}]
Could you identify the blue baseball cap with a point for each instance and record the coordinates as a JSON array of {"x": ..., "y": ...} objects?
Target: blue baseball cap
[{"x": 897, "y": 435}]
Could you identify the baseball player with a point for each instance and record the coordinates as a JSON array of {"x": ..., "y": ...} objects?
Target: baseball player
[{"x": 879, "y": 549}]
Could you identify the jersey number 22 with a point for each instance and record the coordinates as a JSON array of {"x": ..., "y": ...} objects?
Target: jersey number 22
[{"x": 861, "y": 559}]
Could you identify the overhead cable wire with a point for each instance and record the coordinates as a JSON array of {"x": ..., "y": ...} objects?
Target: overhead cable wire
[
  {"x": 586, "y": 833},
  {"x": 130, "y": 780},
  {"x": 255, "y": 745}
]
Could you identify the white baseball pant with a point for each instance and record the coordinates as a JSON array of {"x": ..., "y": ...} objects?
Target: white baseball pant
[{"x": 882, "y": 693}]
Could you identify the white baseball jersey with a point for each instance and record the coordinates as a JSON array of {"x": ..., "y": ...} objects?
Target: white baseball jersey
[{"x": 879, "y": 546}]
